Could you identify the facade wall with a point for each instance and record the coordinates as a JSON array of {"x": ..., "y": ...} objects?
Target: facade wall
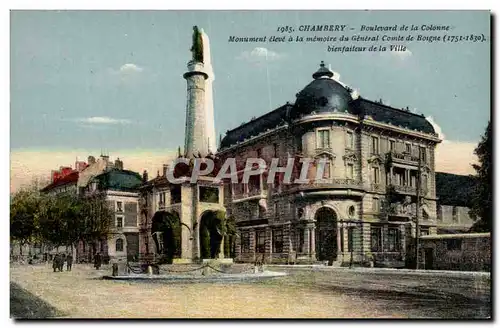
[
  {"x": 464, "y": 253},
  {"x": 124, "y": 225},
  {"x": 371, "y": 204}
]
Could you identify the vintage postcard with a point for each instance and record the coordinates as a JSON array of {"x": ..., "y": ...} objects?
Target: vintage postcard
[{"x": 250, "y": 164}]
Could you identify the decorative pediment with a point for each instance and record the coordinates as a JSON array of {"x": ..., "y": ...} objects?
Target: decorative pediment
[
  {"x": 350, "y": 157},
  {"x": 375, "y": 160},
  {"x": 324, "y": 153},
  {"x": 426, "y": 169}
]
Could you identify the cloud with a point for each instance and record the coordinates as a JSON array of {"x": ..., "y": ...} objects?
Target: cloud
[
  {"x": 398, "y": 56},
  {"x": 27, "y": 165},
  {"x": 130, "y": 69},
  {"x": 259, "y": 54},
  {"x": 453, "y": 156},
  {"x": 402, "y": 54},
  {"x": 102, "y": 120},
  {"x": 436, "y": 127}
]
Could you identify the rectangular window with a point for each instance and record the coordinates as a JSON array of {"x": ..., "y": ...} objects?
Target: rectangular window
[
  {"x": 423, "y": 154},
  {"x": 119, "y": 222},
  {"x": 350, "y": 171},
  {"x": 276, "y": 209},
  {"x": 394, "y": 239},
  {"x": 424, "y": 231},
  {"x": 454, "y": 214},
  {"x": 175, "y": 195},
  {"x": 259, "y": 153},
  {"x": 350, "y": 239},
  {"x": 209, "y": 195},
  {"x": 275, "y": 150},
  {"x": 278, "y": 241},
  {"x": 374, "y": 145},
  {"x": 454, "y": 244},
  {"x": 349, "y": 140},
  {"x": 119, "y": 206},
  {"x": 408, "y": 148},
  {"x": 245, "y": 242},
  {"x": 326, "y": 171},
  {"x": 376, "y": 205},
  {"x": 392, "y": 145},
  {"x": 323, "y": 138},
  {"x": 376, "y": 239},
  {"x": 260, "y": 241},
  {"x": 376, "y": 175}
]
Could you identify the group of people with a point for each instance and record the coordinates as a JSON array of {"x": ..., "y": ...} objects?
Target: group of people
[{"x": 58, "y": 262}]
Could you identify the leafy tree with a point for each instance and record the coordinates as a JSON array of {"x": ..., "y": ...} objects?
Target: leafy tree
[
  {"x": 61, "y": 220},
  {"x": 24, "y": 207},
  {"x": 482, "y": 198}
]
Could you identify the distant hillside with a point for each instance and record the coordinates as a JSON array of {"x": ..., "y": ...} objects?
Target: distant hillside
[{"x": 453, "y": 189}]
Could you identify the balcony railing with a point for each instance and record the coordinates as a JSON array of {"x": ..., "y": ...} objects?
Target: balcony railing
[
  {"x": 408, "y": 190},
  {"x": 402, "y": 157},
  {"x": 331, "y": 184}
]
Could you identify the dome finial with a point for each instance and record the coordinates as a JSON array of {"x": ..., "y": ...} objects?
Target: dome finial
[{"x": 322, "y": 71}]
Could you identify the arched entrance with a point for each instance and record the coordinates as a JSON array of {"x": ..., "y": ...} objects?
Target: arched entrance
[
  {"x": 211, "y": 233},
  {"x": 326, "y": 235},
  {"x": 166, "y": 231}
]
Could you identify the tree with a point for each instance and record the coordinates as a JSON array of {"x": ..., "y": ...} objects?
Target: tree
[
  {"x": 482, "y": 198},
  {"x": 24, "y": 207}
]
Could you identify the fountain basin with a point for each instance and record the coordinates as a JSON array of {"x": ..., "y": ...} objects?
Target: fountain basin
[{"x": 235, "y": 277}]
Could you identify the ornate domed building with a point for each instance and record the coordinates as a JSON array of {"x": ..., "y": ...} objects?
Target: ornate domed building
[{"x": 360, "y": 206}]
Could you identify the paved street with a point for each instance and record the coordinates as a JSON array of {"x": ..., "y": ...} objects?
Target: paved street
[{"x": 306, "y": 293}]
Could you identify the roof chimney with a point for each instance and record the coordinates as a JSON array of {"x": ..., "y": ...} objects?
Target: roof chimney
[
  {"x": 118, "y": 164},
  {"x": 91, "y": 160},
  {"x": 165, "y": 169},
  {"x": 144, "y": 176}
]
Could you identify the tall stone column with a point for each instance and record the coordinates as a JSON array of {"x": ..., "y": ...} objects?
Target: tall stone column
[
  {"x": 196, "y": 134},
  {"x": 313, "y": 242},
  {"x": 221, "y": 249},
  {"x": 305, "y": 249},
  {"x": 339, "y": 243}
]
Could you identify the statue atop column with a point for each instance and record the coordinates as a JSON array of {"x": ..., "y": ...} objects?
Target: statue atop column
[{"x": 197, "y": 48}]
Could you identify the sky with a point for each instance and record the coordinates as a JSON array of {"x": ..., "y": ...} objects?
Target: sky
[{"x": 86, "y": 82}]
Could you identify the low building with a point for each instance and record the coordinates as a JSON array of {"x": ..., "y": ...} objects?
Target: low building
[
  {"x": 120, "y": 188},
  {"x": 461, "y": 252}
]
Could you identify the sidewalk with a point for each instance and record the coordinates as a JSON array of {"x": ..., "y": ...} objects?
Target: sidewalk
[{"x": 441, "y": 273}]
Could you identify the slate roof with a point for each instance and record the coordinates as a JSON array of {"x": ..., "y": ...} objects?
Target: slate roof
[
  {"x": 121, "y": 180},
  {"x": 390, "y": 115},
  {"x": 454, "y": 189},
  {"x": 322, "y": 95},
  {"x": 326, "y": 95},
  {"x": 379, "y": 112},
  {"x": 261, "y": 124}
]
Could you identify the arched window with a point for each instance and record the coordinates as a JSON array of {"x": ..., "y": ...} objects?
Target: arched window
[{"x": 119, "y": 245}]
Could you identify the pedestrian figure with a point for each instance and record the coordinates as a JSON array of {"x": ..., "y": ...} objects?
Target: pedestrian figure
[
  {"x": 97, "y": 261},
  {"x": 61, "y": 262},
  {"x": 55, "y": 262},
  {"x": 69, "y": 262}
]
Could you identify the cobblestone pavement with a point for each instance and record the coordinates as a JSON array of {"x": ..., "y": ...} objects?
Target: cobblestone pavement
[{"x": 311, "y": 294}]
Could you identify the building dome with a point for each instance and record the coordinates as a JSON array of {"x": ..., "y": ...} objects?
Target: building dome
[{"x": 323, "y": 95}]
